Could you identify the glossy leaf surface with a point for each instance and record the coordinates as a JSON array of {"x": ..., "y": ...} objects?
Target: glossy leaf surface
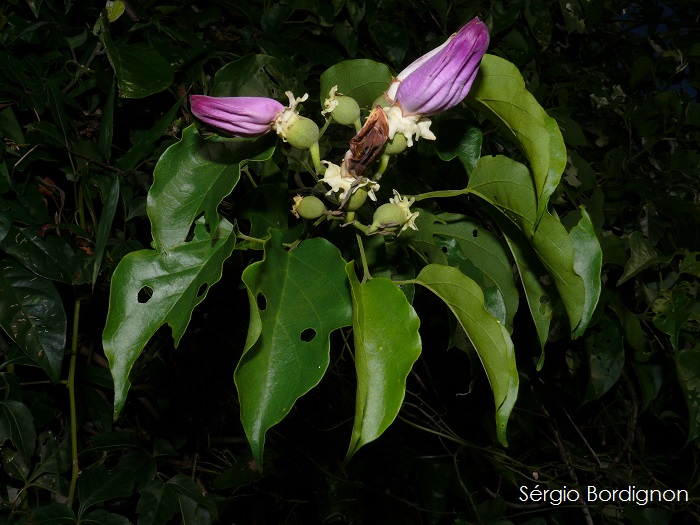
[
  {"x": 362, "y": 79},
  {"x": 387, "y": 343},
  {"x": 499, "y": 92},
  {"x": 297, "y": 298},
  {"x": 32, "y": 314},
  {"x": 150, "y": 289},
  {"x": 483, "y": 249},
  {"x": 140, "y": 70},
  {"x": 154, "y": 287},
  {"x": 191, "y": 178},
  {"x": 488, "y": 336},
  {"x": 507, "y": 185}
]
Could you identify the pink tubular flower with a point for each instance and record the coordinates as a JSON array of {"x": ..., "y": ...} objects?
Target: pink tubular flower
[
  {"x": 240, "y": 116},
  {"x": 442, "y": 78}
]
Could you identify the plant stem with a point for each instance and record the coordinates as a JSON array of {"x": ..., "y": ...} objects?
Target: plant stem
[
  {"x": 366, "y": 277},
  {"x": 71, "y": 400},
  {"x": 316, "y": 158}
]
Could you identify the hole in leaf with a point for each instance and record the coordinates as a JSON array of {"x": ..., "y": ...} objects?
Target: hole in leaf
[
  {"x": 262, "y": 302},
  {"x": 202, "y": 289},
  {"x": 308, "y": 335},
  {"x": 190, "y": 233},
  {"x": 145, "y": 294},
  {"x": 475, "y": 233}
]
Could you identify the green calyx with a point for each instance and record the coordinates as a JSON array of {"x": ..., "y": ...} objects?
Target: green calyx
[
  {"x": 357, "y": 199},
  {"x": 302, "y": 133},
  {"x": 309, "y": 207},
  {"x": 346, "y": 112}
]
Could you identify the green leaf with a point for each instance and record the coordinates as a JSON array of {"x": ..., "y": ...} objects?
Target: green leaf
[
  {"x": 606, "y": 358},
  {"x": 688, "y": 370},
  {"x": 104, "y": 227},
  {"x": 588, "y": 263},
  {"x": 540, "y": 21},
  {"x": 191, "y": 178},
  {"x": 539, "y": 291},
  {"x": 387, "y": 343},
  {"x": 499, "y": 92},
  {"x": 9, "y": 126},
  {"x": 364, "y": 80},
  {"x": 506, "y": 184},
  {"x": 140, "y": 70},
  {"x": 193, "y": 514},
  {"x": 49, "y": 256},
  {"x": 151, "y": 288},
  {"x": 458, "y": 138},
  {"x": 642, "y": 256},
  {"x": 96, "y": 484},
  {"x": 297, "y": 298},
  {"x": 144, "y": 141},
  {"x": 486, "y": 252},
  {"x": 54, "y": 514},
  {"x": 32, "y": 314},
  {"x": 246, "y": 77},
  {"x": 673, "y": 308},
  {"x": 107, "y": 125},
  {"x": 102, "y": 517},
  {"x": 158, "y": 503},
  {"x": 190, "y": 181},
  {"x": 488, "y": 336},
  {"x": 20, "y": 421}
]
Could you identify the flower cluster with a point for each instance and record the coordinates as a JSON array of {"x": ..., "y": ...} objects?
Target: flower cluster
[{"x": 436, "y": 82}]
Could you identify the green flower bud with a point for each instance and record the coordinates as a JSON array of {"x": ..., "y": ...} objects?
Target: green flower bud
[
  {"x": 381, "y": 101},
  {"x": 396, "y": 145},
  {"x": 347, "y": 112},
  {"x": 302, "y": 133},
  {"x": 308, "y": 207},
  {"x": 396, "y": 213},
  {"x": 357, "y": 199},
  {"x": 388, "y": 214}
]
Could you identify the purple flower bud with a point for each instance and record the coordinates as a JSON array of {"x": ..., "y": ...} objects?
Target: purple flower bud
[
  {"x": 240, "y": 116},
  {"x": 442, "y": 78}
]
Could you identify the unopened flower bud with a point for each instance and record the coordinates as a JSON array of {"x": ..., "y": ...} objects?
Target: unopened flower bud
[
  {"x": 387, "y": 217},
  {"x": 308, "y": 207},
  {"x": 302, "y": 133},
  {"x": 344, "y": 110},
  {"x": 396, "y": 145},
  {"x": 396, "y": 213},
  {"x": 357, "y": 199}
]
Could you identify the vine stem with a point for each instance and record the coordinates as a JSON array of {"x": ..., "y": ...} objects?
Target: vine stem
[
  {"x": 366, "y": 277},
  {"x": 71, "y": 400}
]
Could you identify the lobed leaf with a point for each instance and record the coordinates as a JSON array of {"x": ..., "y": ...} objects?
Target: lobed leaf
[
  {"x": 297, "y": 298},
  {"x": 387, "y": 343},
  {"x": 191, "y": 178},
  {"x": 150, "y": 289}
]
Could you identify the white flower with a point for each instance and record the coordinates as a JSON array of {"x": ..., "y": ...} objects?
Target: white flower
[
  {"x": 405, "y": 204},
  {"x": 338, "y": 178},
  {"x": 290, "y": 115},
  {"x": 410, "y": 126},
  {"x": 331, "y": 102}
]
